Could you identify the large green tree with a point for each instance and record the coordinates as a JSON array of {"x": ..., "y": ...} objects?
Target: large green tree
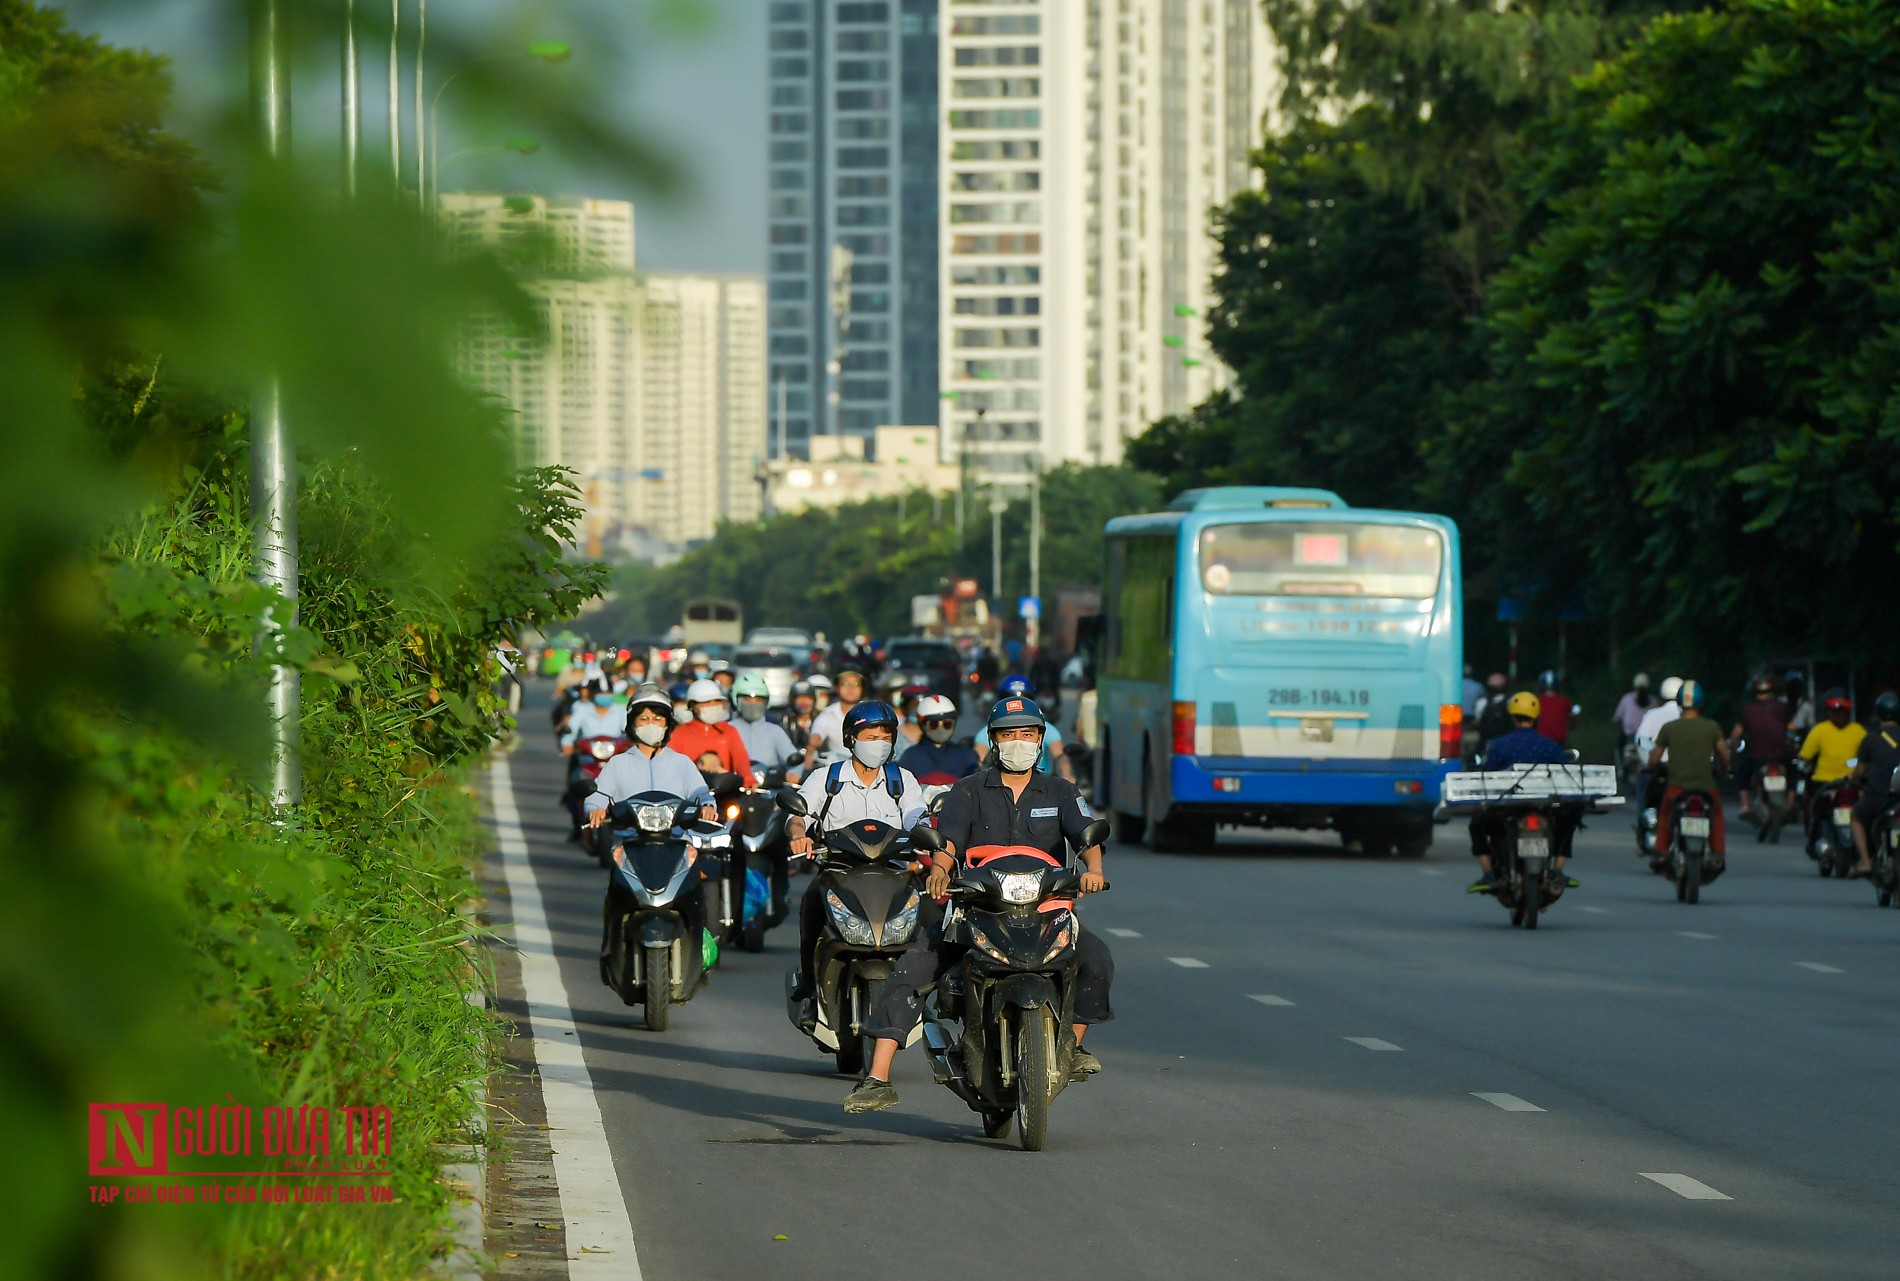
[{"x": 1698, "y": 353}]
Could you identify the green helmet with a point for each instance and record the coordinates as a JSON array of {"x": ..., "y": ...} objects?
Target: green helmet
[{"x": 750, "y": 685}]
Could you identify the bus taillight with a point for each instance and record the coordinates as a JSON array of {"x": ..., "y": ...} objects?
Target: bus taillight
[
  {"x": 1451, "y": 731},
  {"x": 1184, "y": 729}
]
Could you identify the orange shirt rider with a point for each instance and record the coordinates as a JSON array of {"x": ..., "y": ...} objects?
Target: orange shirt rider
[{"x": 709, "y": 733}]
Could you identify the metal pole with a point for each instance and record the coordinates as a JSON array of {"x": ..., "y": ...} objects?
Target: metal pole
[
  {"x": 273, "y": 461},
  {"x": 996, "y": 545},
  {"x": 395, "y": 97},
  {"x": 780, "y": 452},
  {"x": 421, "y": 124},
  {"x": 1034, "y": 628},
  {"x": 352, "y": 102}
]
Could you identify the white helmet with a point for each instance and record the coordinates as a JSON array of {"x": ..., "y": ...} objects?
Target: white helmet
[
  {"x": 1670, "y": 688},
  {"x": 934, "y": 705},
  {"x": 705, "y": 691},
  {"x": 819, "y": 680},
  {"x": 1641, "y": 681}
]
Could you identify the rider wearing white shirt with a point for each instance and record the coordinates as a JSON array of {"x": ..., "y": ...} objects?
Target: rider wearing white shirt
[
  {"x": 651, "y": 766},
  {"x": 766, "y": 743},
  {"x": 1658, "y": 716}
]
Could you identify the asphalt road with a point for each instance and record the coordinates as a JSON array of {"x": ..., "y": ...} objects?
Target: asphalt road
[{"x": 1296, "y": 1084}]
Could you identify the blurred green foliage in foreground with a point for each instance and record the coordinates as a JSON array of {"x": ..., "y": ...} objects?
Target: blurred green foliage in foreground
[{"x": 161, "y": 939}]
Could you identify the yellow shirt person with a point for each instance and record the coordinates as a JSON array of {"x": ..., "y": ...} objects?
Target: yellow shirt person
[{"x": 1831, "y": 747}]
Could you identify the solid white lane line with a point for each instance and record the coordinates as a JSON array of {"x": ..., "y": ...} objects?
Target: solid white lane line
[
  {"x": 593, "y": 1207},
  {"x": 1188, "y": 962},
  {"x": 1270, "y": 1000},
  {"x": 1509, "y": 1102},
  {"x": 1691, "y": 934},
  {"x": 1372, "y": 1043},
  {"x": 1819, "y": 968},
  {"x": 1125, "y": 934},
  {"x": 1595, "y": 911},
  {"x": 1684, "y": 1186}
]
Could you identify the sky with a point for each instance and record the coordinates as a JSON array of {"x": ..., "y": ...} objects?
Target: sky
[{"x": 696, "y": 87}]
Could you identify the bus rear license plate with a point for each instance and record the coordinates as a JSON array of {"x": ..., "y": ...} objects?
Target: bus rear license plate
[
  {"x": 1227, "y": 785},
  {"x": 1774, "y": 783},
  {"x": 1843, "y": 816},
  {"x": 1695, "y": 827},
  {"x": 1316, "y": 729}
]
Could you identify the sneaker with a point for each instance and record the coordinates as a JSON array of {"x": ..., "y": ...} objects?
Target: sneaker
[
  {"x": 1083, "y": 1065},
  {"x": 870, "y": 1095},
  {"x": 1572, "y": 883},
  {"x": 1486, "y": 884}
]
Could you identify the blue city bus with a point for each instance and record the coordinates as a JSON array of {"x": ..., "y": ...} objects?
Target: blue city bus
[{"x": 1276, "y": 658}]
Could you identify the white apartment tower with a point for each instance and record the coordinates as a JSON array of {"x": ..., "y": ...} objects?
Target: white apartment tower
[
  {"x": 650, "y": 389},
  {"x": 1085, "y": 144}
]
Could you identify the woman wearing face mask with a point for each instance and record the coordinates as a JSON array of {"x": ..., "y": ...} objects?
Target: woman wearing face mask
[
  {"x": 597, "y": 715},
  {"x": 867, "y": 785},
  {"x": 651, "y": 766},
  {"x": 709, "y": 731},
  {"x": 936, "y": 760}
]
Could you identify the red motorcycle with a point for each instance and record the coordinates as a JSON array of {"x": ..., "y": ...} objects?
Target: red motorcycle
[{"x": 583, "y": 769}]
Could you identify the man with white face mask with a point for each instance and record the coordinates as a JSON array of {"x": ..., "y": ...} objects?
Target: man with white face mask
[
  {"x": 709, "y": 733},
  {"x": 867, "y": 785},
  {"x": 651, "y": 766},
  {"x": 765, "y": 742}
]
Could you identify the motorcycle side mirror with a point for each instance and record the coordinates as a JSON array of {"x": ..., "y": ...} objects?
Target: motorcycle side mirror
[
  {"x": 792, "y": 801},
  {"x": 725, "y": 786},
  {"x": 795, "y": 760},
  {"x": 774, "y": 778},
  {"x": 1573, "y": 755},
  {"x": 1095, "y": 833},
  {"x": 925, "y": 837}
]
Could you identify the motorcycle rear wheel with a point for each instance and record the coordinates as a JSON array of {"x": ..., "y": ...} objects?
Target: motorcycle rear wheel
[
  {"x": 659, "y": 993},
  {"x": 1035, "y": 1059},
  {"x": 1533, "y": 889},
  {"x": 1692, "y": 879}
]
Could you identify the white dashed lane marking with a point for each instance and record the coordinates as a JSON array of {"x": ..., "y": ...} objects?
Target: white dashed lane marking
[
  {"x": 1595, "y": 911},
  {"x": 1819, "y": 968},
  {"x": 1508, "y": 1102},
  {"x": 1684, "y": 1186},
  {"x": 1431, "y": 871},
  {"x": 1125, "y": 934},
  {"x": 1372, "y": 1043},
  {"x": 1270, "y": 1000},
  {"x": 1188, "y": 962},
  {"x": 1691, "y": 934}
]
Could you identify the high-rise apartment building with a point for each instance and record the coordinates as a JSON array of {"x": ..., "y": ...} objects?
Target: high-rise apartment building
[
  {"x": 1085, "y": 144},
  {"x": 853, "y": 313},
  {"x": 650, "y": 389}
]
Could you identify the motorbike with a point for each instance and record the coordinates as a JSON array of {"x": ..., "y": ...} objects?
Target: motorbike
[
  {"x": 872, "y": 890},
  {"x": 1770, "y": 801},
  {"x": 764, "y": 846},
  {"x": 1531, "y": 813},
  {"x": 657, "y": 950},
  {"x": 1687, "y": 860},
  {"x": 999, "y": 1030},
  {"x": 1648, "y": 817},
  {"x": 583, "y": 771},
  {"x": 1883, "y": 849},
  {"x": 1830, "y": 828}
]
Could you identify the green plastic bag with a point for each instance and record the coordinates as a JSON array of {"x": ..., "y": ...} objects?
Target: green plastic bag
[{"x": 708, "y": 951}]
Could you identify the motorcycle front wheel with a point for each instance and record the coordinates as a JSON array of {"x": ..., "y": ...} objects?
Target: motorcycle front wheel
[
  {"x": 659, "y": 993},
  {"x": 1035, "y": 1060}
]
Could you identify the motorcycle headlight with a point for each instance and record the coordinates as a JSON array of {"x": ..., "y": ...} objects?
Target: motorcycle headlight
[
  {"x": 655, "y": 818},
  {"x": 1020, "y": 887},
  {"x": 732, "y": 812},
  {"x": 856, "y": 930},
  {"x": 900, "y": 927},
  {"x": 602, "y": 749}
]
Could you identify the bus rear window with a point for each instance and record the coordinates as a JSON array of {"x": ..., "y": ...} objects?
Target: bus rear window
[{"x": 1331, "y": 558}]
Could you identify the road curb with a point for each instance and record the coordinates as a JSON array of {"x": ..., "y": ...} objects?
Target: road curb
[{"x": 465, "y": 1166}]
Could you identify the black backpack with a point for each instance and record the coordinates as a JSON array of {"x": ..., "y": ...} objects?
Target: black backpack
[{"x": 1494, "y": 719}]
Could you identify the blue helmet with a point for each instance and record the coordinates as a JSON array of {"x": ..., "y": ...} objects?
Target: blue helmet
[
  {"x": 1691, "y": 695},
  {"x": 1015, "y": 685},
  {"x": 1013, "y": 712},
  {"x": 678, "y": 691},
  {"x": 865, "y": 714}
]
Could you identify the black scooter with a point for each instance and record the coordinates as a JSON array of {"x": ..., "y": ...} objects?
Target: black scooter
[
  {"x": 1686, "y": 861},
  {"x": 663, "y": 862},
  {"x": 999, "y": 1030},
  {"x": 763, "y": 844},
  {"x": 872, "y": 890}
]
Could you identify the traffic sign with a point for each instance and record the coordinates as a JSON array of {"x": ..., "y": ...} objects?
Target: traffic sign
[{"x": 1028, "y": 607}]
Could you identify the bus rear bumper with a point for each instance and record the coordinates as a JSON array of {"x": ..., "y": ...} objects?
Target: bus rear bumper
[{"x": 1209, "y": 783}]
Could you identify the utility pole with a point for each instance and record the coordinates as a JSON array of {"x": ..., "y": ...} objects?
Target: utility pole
[
  {"x": 273, "y": 458},
  {"x": 421, "y": 123},
  {"x": 352, "y": 102},
  {"x": 997, "y": 507},
  {"x": 1034, "y": 628},
  {"x": 395, "y": 98}
]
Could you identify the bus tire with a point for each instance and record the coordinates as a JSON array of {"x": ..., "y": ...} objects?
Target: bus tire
[
  {"x": 1414, "y": 836},
  {"x": 1177, "y": 835},
  {"x": 1128, "y": 827}
]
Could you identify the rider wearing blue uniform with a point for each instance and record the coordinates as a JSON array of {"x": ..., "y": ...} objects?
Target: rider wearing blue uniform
[
  {"x": 1522, "y": 746},
  {"x": 935, "y": 759}
]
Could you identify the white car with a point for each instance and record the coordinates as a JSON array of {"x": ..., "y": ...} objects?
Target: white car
[
  {"x": 778, "y": 667},
  {"x": 799, "y": 642}
]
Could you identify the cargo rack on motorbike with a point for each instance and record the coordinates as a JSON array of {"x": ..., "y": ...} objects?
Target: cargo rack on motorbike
[{"x": 1592, "y": 784}]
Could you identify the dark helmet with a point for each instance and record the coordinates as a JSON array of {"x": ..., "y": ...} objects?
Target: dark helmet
[
  {"x": 1764, "y": 684},
  {"x": 1887, "y": 706},
  {"x": 1836, "y": 700},
  {"x": 845, "y": 671},
  {"x": 1014, "y": 712},
  {"x": 801, "y": 687},
  {"x": 678, "y": 693},
  {"x": 864, "y": 715},
  {"x": 1014, "y": 685}
]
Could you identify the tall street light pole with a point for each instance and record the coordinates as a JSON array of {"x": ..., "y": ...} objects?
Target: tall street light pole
[
  {"x": 548, "y": 51},
  {"x": 352, "y": 102},
  {"x": 395, "y": 98},
  {"x": 273, "y": 458},
  {"x": 422, "y": 155},
  {"x": 1035, "y": 547}
]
